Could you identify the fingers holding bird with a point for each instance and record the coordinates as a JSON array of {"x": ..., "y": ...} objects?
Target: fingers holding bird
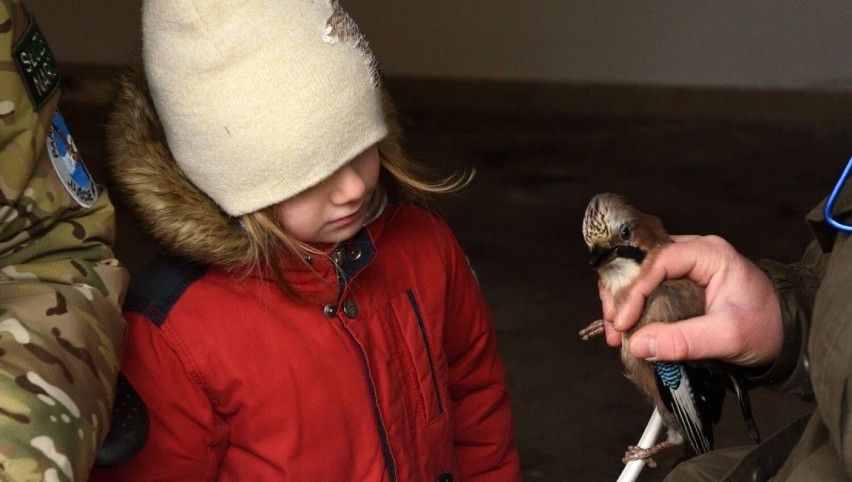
[{"x": 742, "y": 323}]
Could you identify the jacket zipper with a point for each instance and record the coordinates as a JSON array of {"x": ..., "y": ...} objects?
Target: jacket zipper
[
  {"x": 338, "y": 260},
  {"x": 383, "y": 434}
]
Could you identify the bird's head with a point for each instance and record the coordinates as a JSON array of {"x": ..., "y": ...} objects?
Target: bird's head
[{"x": 619, "y": 238}]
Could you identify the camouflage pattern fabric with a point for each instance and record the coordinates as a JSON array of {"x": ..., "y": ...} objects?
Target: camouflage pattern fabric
[{"x": 61, "y": 330}]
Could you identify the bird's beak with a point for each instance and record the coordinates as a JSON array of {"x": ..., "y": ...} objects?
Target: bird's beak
[{"x": 599, "y": 255}]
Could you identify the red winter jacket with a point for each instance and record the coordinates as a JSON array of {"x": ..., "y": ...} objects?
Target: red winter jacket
[{"x": 395, "y": 377}]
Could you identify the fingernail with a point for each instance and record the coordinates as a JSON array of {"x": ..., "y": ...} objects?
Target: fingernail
[
  {"x": 644, "y": 347},
  {"x": 652, "y": 349}
]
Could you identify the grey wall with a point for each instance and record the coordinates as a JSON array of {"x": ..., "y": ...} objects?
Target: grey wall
[{"x": 739, "y": 43}]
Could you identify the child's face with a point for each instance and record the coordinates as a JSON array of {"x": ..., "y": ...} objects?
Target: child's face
[{"x": 333, "y": 210}]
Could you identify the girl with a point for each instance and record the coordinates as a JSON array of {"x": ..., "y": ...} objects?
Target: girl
[{"x": 314, "y": 321}]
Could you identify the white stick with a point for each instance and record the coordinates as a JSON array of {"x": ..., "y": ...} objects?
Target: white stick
[{"x": 649, "y": 438}]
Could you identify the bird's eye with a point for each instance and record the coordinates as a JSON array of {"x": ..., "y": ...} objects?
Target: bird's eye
[{"x": 626, "y": 232}]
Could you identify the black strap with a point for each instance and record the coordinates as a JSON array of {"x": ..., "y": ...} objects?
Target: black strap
[{"x": 128, "y": 428}]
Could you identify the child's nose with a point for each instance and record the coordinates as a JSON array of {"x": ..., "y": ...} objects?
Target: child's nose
[{"x": 349, "y": 185}]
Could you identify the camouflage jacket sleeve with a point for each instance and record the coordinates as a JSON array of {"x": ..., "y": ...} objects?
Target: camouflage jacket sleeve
[
  {"x": 796, "y": 286},
  {"x": 61, "y": 330}
]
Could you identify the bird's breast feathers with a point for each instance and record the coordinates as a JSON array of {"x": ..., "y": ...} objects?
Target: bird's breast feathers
[{"x": 619, "y": 274}]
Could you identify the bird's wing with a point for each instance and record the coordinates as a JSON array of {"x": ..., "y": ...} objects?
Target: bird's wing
[
  {"x": 680, "y": 399},
  {"x": 734, "y": 378},
  {"x": 691, "y": 393}
]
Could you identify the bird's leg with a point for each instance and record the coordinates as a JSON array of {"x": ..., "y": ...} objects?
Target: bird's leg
[
  {"x": 594, "y": 329},
  {"x": 638, "y": 453}
]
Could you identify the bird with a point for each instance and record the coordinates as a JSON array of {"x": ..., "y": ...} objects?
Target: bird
[{"x": 688, "y": 395}]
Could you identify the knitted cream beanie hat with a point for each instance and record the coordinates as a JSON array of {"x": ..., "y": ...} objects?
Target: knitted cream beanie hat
[{"x": 260, "y": 99}]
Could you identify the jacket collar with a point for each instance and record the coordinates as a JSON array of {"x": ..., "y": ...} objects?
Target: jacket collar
[
  {"x": 823, "y": 232},
  {"x": 325, "y": 278}
]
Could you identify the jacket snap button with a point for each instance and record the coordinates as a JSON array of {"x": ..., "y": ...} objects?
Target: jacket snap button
[
  {"x": 350, "y": 308},
  {"x": 337, "y": 257},
  {"x": 330, "y": 310},
  {"x": 354, "y": 254},
  {"x": 445, "y": 477}
]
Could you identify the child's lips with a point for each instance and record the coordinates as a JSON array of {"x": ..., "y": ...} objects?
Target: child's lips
[{"x": 348, "y": 219}]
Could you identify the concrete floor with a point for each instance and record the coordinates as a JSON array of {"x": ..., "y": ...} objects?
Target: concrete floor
[{"x": 520, "y": 223}]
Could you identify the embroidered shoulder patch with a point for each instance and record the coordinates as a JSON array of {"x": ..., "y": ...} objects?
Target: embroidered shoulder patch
[
  {"x": 68, "y": 163},
  {"x": 36, "y": 64}
]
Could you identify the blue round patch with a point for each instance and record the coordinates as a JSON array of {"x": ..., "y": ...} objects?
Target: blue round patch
[{"x": 68, "y": 163}]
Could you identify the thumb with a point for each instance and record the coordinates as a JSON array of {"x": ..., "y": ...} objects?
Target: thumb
[{"x": 684, "y": 340}]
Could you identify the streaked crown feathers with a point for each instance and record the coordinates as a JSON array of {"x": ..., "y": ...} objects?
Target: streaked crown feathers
[{"x": 610, "y": 220}]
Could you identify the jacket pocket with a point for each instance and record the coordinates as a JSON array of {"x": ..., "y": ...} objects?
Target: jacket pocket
[{"x": 423, "y": 355}]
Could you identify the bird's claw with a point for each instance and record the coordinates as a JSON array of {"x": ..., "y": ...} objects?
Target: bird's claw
[
  {"x": 634, "y": 452},
  {"x": 638, "y": 453},
  {"x": 594, "y": 329}
]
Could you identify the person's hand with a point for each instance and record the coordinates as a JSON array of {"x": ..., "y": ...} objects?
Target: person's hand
[{"x": 742, "y": 323}]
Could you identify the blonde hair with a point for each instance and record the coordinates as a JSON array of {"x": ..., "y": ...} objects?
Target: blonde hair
[{"x": 401, "y": 180}]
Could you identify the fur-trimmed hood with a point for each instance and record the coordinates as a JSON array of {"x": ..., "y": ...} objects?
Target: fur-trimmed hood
[{"x": 180, "y": 217}]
